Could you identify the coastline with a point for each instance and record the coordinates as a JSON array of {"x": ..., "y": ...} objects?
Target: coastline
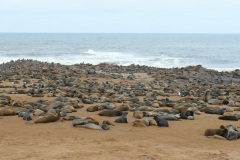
[
  {"x": 113, "y": 64},
  {"x": 104, "y": 83}
]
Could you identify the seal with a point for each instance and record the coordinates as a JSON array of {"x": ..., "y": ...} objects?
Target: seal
[
  {"x": 123, "y": 118},
  {"x": 138, "y": 114},
  {"x": 28, "y": 115},
  {"x": 7, "y": 112},
  {"x": 48, "y": 118},
  {"x": 81, "y": 122},
  {"x": 212, "y": 132},
  {"x": 123, "y": 107},
  {"x": 230, "y": 118},
  {"x": 105, "y": 125},
  {"x": 91, "y": 126},
  {"x": 145, "y": 121},
  {"x": 230, "y": 132},
  {"x": 161, "y": 122},
  {"x": 110, "y": 113},
  {"x": 93, "y": 120},
  {"x": 138, "y": 123}
]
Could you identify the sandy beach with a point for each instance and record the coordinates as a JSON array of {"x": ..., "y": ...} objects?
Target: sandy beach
[{"x": 183, "y": 139}]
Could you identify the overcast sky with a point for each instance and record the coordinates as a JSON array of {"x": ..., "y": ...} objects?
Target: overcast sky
[{"x": 120, "y": 16}]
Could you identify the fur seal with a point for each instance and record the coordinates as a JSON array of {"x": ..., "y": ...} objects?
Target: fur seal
[
  {"x": 145, "y": 121},
  {"x": 48, "y": 118},
  {"x": 123, "y": 118},
  {"x": 212, "y": 132},
  {"x": 93, "y": 120},
  {"x": 138, "y": 123},
  {"x": 230, "y": 118},
  {"x": 230, "y": 132},
  {"x": 169, "y": 117},
  {"x": 69, "y": 118},
  {"x": 110, "y": 113},
  {"x": 81, "y": 122},
  {"x": 91, "y": 126},
  {"x": 161, "y": 122},
  {"x": 138, "y": 114},
  {"x": 28, "y": 115},
  {"x": 123, "y": 107},
  {"x": 7, "y": 112},
  {"x": 105, "y": 125}
]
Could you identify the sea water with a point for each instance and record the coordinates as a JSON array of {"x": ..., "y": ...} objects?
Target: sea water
[{"x": 214, "y": 51}]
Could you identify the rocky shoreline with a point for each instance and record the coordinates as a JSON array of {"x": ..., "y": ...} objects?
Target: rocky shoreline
[{"x": 104, "y": 96}]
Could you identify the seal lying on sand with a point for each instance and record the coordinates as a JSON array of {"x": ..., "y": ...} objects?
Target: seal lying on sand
[
  {"x": 230, "y": 132},
  {"x": 161, "y": 122},
  {"x": 212, "y": 132},
  {"x": 122, "y": 119},
  {"x": 138, "y": 114},
  {"x": 110, "y": 113},
  {"x": 7, "y": 112},
  {"x": 91, "y": 126},
  {"x": 230, "y": 118},
  {"x": 81, "y": 122},
  {"x": 139, "y": 123},
  {"x": 93, "y": 120},
  {"x": 105, "y": 125},
  {"x": 48, "y": 118},
  {"x": 28, "y": 115}
]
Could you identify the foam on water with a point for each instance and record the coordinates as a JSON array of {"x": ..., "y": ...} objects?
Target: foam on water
[{"x": 220, "y": 52}]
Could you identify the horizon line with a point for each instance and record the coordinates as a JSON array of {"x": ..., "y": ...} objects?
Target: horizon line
[{"x": 108, "y": 33}]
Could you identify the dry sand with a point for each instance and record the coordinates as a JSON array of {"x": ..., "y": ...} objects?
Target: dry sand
[{"x": 59, "y": 140}]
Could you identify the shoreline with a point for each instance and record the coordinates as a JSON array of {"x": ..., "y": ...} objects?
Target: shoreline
[{"x": 215, "y": 69}]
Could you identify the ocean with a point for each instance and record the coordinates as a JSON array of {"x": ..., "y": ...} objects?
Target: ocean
[{"x": 213, "y": 51}]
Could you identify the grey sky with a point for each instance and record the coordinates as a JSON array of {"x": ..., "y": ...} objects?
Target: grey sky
[{"x": 120, "y": 16}]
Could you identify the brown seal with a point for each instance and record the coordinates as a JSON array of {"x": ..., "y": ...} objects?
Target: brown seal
[
  {"x": 138, "y": 114},
  {"x": 123, "y": 107},
  {"x": 7, "y": 112},
  {"x": 212, "y": 132},
  {"x": 48, "y": 118},
  {"x": 93, "y": 120},
  {"x": 110, "y": 113},
  {"x": 138, "y": 123}
]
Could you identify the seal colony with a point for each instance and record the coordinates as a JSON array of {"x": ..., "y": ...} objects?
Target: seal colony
[{"x": 110, "y": 95}]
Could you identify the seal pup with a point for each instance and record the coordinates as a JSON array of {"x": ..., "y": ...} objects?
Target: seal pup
[
  {"x": 161, "y": 122},
  {"x": 28, "y": 115},
  {"x": 105, "y": 125},
  {"x": 122, "y": 119}
]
